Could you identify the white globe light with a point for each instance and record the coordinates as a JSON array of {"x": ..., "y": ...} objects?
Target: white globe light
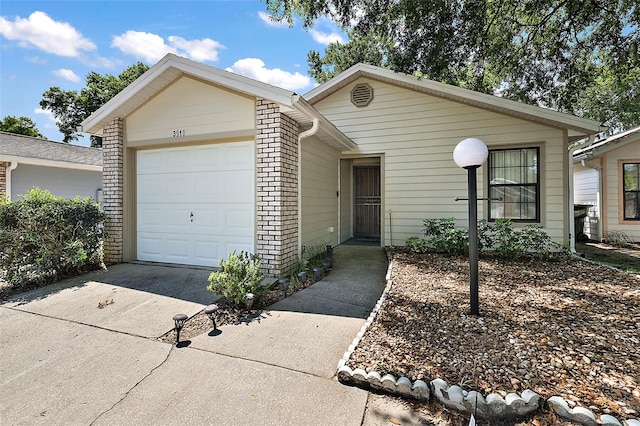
[{"x": 471, "y": 152}]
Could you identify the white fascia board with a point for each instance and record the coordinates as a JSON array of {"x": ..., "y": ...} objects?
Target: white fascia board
[
  {"x": 50, "y": 163},
  {"x": 597, "y": 150},
  {"x": 185, "y": 67},
  {"x": 506, "y": 106},
  {"x": 308, "y": 110}
]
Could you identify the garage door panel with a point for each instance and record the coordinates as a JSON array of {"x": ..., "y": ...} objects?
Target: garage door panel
[
  {"x": 172, "y": 219},
  {"x": 207, "y": 158},
  {"x": 237, "y": 245},
  {"x": 150, "y": 246},
  {"x": 177, "y": 249},
  {"x": 214, "y": 182},
  {"x": 207, "y": 252},
  {"x": 157, "y": 162},
  {"x": 237, "y": 186},
  {"x": 239, "y": 156},
  {"x": 225, "y": 186},
  {"x": 238, "y": 220}
]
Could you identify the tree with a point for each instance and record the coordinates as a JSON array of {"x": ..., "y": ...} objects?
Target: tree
[
  {"x": 70, "y": 107},
  {"x": 553, "y": 53},
  {"x": 20, "y": 125}
]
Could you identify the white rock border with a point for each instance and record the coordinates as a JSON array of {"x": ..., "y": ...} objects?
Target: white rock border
[{"x": 454, "y": 397}]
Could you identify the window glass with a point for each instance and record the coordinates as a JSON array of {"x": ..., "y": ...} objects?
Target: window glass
[
  {"x": 514, "y": 184},
  {"x": 631, "y": 190}
]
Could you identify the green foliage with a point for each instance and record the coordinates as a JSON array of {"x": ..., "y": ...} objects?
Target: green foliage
[
  {"x": 20, "y": 125},
  {"x": 70, "y": 107},
  {"x": 441, "y": 236},
  {"x": 572, "y": 56},
  {"x": 238, "y": 275},
  {"x": 45, "y": 237},
  {"x": 312, "y": 257}
]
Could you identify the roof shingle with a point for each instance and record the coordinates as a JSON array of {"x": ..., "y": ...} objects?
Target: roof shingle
[{"x": 14, "y": 145}]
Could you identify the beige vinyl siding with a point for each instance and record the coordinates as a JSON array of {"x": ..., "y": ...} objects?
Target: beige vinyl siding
[
  {"x": 198, "y": 109},
  {"x": 417, "y": 134},
  {"x": 613, "y": 189},
  {"x": 320, "y": 165}
]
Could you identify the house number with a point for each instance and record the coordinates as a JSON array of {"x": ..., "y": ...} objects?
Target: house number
[{"x": 179, "y": 133}]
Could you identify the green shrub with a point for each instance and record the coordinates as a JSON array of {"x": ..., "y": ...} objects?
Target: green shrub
[
  {"x": 45, "y": 237},
  {"x": 238, "y": 275},
  {"x": 441, "y": 236}
]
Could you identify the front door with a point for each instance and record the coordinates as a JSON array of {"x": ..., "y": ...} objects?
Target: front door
[{"x": 367, "y": 202}]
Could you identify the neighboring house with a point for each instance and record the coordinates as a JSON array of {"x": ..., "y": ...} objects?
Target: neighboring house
[
  {"x": 606, "y": 176},
  {"x": 199, "y": 162},
  {"x": 62, "y": 169}
]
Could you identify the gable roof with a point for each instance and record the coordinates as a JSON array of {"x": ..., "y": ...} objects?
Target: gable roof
[
  {"x": 612, "y": 142},
  {"x": 172, "y": 67},
  {"x": 577, "y": 127},
  {"x": 29, "y": 150}
]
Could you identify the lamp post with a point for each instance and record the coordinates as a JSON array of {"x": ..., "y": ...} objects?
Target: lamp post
[{"x": 470, "y": 154}]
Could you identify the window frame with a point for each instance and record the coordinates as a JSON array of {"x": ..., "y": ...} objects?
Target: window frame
[
  {"x": 537, "y": 185},
  {"x": 624, "y": 191}
]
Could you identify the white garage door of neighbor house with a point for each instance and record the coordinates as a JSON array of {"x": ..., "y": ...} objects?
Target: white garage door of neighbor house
[{"x": 195, "y": 205}]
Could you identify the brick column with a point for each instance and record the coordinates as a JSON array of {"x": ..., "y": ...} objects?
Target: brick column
[
  {"x": 3, "y": 178},
  {"x": 112, "y": 190},
  {"x": 276, "y": 189}
]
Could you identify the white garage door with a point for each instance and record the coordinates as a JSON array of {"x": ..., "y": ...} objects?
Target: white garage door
[{"x": 195, "y": 205}]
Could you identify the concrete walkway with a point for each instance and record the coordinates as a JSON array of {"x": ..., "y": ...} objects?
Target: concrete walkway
[{"x": 85, "y": 351}]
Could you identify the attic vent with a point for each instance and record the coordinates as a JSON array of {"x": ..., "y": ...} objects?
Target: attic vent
[{"x": 361, "y": 95}]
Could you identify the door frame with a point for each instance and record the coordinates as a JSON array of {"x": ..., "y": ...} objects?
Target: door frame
[{"x": 347, "y": 201}]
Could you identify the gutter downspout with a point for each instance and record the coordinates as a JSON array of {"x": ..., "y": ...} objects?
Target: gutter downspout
[
  {"x": 570, "y": 214},
  {"x": 12, "y": 166},
  {"x": 307, "y": 133},
  {"x": 598, "y": 169}
]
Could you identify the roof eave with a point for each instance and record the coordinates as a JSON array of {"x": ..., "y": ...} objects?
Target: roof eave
[
  {"x": 50, "y": 163},
  {"x": 343, "y": 141}
]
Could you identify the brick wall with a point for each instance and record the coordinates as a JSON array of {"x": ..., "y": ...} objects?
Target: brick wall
[
  {"x": 276, "y": 189},
  {"x": 112, "y": 190},
  {"x": 3, "y": 178}
]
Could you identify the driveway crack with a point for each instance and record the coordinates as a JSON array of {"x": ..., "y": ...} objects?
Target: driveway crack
[{"x": 126, "y": 394}]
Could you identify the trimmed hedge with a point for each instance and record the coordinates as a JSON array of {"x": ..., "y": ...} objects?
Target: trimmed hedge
[{"x": 44, "y": 237}]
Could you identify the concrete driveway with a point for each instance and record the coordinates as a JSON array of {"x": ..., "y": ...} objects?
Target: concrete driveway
[{"x": 85, "y": 351}]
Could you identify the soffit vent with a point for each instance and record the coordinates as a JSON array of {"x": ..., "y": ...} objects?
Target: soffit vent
[{"x": 361, "y": 95}]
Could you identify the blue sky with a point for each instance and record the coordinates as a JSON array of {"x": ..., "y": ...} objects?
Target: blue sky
[{"x": 57, "y": 43}]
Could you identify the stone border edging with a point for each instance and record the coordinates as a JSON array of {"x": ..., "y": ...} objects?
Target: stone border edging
[{"x": 454, "y": 397}]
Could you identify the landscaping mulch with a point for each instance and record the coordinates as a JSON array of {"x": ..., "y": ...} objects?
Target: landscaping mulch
[
  {"x": 230, "y": 313},
  {"x": 567, "y": 328}
]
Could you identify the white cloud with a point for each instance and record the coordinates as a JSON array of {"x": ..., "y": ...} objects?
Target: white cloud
[
  {"x": 202, "y": 50},
  {"x": 255, "y": 68},
  {"x": 39, "y": 30},
  {"x": 264, "y": 17},
  {"x": 35, "y": 60},
  {"x": 151, "y": 47},
  {"x": 325, "y": 38},
  {"x": 44, "y": 112},
  {"x": 68, "y": 75}
]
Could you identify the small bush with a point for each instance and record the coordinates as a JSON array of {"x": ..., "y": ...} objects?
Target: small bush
[
  {"x": 441, "y": 236},
  {"x": 238, "y": 275},
  {"x": 45, "y": 237}
]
